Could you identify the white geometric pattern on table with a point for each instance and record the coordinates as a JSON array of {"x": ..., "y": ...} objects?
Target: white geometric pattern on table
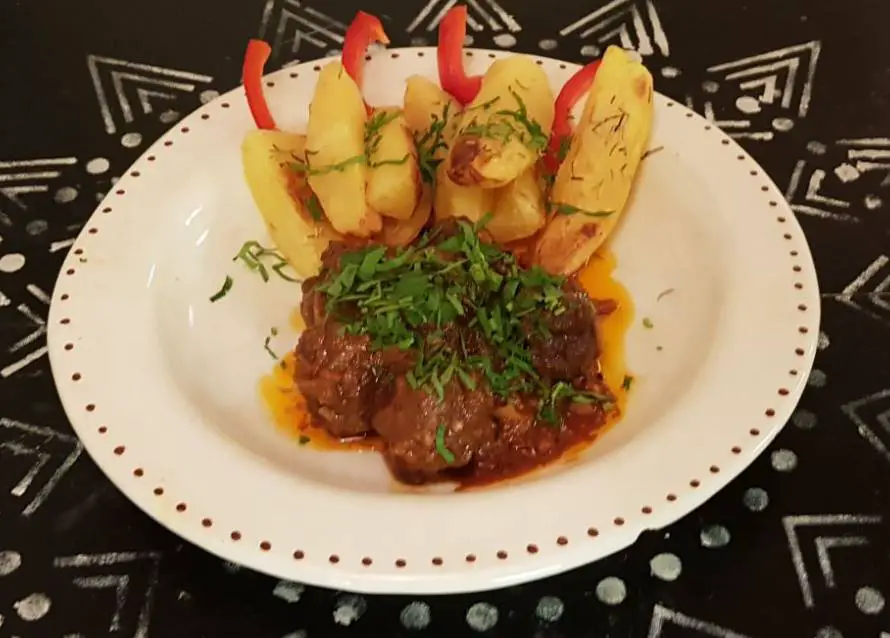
[{"x": 752, "y": 97}]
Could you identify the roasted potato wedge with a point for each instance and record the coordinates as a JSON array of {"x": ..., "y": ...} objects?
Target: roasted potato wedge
[
  {"x": 520, "y": 210},
  {"x": 595, "y": 180},
  {"x": 466, "y": 202},
  {"x": 335, "y": 152},
  {"x": 393, "y": 187},
  {"x": 278, "y": 192},
  {"x": 402, "y": 232},
  {"x": 506, "y": 128},
  {"x": 426, "y": 105}
]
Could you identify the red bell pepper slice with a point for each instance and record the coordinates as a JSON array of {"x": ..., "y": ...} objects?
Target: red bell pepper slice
[
  {"x": 252, "y": 76},
  {"x": 364, "y": 30},
  {"x": 452, "y": 76},
  {"x": 568, "y": 96}
]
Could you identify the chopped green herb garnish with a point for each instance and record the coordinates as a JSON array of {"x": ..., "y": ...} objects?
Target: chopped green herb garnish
[
  {"x": 647, "y": 323},
  {"x": 569, "y": 209},
  {"x": 303, "y": 440},
  {"x": 430, "y": 143},
  {"x": 252, "y": 254},
  {"x": 272, "y": 333},
  {"x": 443, "y": 451},
  {"x": 422, "y": 299},
  {"x": 222, "y": 292},
  {"x": 627, "y": 382},
  {"x": 305, "y": 168},
  {"x": 313, "y": 207}
]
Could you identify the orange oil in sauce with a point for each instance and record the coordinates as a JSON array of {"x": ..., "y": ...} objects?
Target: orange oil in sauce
[{"x": 288, "y": 408}]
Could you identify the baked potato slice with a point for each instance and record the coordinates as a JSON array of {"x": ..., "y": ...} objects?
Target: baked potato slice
[
  {"x": 595, "y": 180},
  {"x": 279, "y": 193},
  {"x": 336, "y": 164},
  {"x": 432, "y": 116},
  {"x": 402, "y": 232},
  {"x": 506, "y": 127},
  {"x": 519, "y": 210},
  {"x": 465, "y": 202},
  {"x": 393, "y": 186}
]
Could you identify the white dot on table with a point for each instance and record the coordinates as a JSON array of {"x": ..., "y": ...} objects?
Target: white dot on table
[
  {"x": 747, "y": 104},
  {"x": 783, "y": 124},
  {"x": 549, "y": 609},
  {"x": 419, "y": 42},
  {"x": 208, "y": 96},
  {"x": 783, "y": 460},
  {"x": 816, "y": 148},
  {"x": 846, "y": 173},
  {"x": 36, "y": 226},
  {"x": 755, "y": 499},
  {"x": 349, "y": 608},
  {"x": 548, "y": 44},
  {"x": 804, "y": 419},
  {"x": 611, "y": 591},
  {"x": 468, "y": 40},
  {"x": 590, "y": 51},
  {"x": 12, "y": 262},
  {"x": 709, "y": 86},
  {"x": 65, "y": 195},
  {"x": 98, "y": 165},
  {"x": 873, "y": 202},
  {"x": 670, "y": 72},
  {"x": 714, "y": 536},
  {"x": 829, "y": 632},
  {"x": 666, "y": 566},
  {"x": 33, "y": 607},
  {"x": 168, "y": 117},
  {"x": 288, "y": 591},
  {"x": 415, "y": 615},
  {"x": 869, "y": 600},
  {"x": 9, "y": 562},
  {"x": 817, "y": 378},
  {"x": 482, "y": 616},
  {"x": 131, "y": 140},
  {"x": 505, "y": 40}
]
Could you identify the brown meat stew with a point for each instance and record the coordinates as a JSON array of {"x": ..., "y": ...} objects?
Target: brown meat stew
[{"x": 466, "y": 366}]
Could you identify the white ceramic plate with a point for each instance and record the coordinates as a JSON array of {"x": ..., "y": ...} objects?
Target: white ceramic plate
[{"x": 161, "y": 385}]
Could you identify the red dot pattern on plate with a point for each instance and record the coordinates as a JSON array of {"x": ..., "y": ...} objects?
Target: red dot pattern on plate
[{"x": 592, "y": 532}]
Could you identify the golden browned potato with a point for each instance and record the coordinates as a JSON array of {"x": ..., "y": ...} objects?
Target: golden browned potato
[
  {"x": 335, "y": 152},
  {"x": 506, "y": 127},
  {"x": 279, "y": 193},
  {"x": 594, "y": 182},
  {"x": 520, "y": 210},
  {"x": 432, "y": 115},
  {"x": 393, "y": 187},
  {"x": 466, "y": 202},
  {"x": 403, "y": 232}
]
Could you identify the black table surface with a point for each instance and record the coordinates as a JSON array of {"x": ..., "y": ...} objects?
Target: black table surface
[{"x": 797, "y": 546}]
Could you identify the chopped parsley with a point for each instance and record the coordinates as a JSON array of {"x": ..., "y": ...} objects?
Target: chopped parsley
[
  {"x": 647, "y": 323},
  {"x": 253, "y": 254},
  {"x": 373, "y": 136},
  {"x": 223, "y": 291},
  {"x": 463, "y": 309},
  {"x": 430, "y": 143},
  {"x": 441, "y": 448},
  {"x": 303, "y": 440},
  {"x": 627, "y": 383},
  {"x": 568, "y": 209},
  {"x": 506, "y": 125}
]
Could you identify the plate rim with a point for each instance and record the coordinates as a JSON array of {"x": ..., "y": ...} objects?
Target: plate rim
[{"x": 493, "y": 574}]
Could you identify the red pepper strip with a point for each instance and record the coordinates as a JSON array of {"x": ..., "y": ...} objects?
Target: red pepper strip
[
  {"x": 571, "y": 92},
  {"x": 252, "y": 76},
  {"x": 452, "y": 76},
  {"x": 362, "y": 32}
]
